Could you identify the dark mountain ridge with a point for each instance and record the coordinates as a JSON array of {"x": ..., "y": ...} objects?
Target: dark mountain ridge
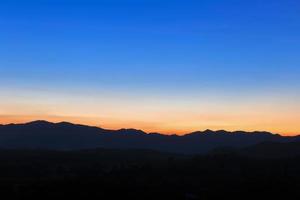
[{"x": 68, "y": 136}]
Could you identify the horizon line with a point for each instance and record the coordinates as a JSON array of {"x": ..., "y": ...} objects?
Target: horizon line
[{"x": 146, "y": 132}]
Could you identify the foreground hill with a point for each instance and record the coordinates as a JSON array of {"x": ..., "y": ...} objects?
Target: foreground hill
[
  {"x": 67, "y": 136},
  {"x": 144, "y": 174}
]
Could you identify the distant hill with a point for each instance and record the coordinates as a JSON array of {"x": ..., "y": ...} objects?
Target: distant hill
[
  {"x": 272, "y": 150},
  {"x": 267, "y": 149},
  {"x": 68, "y": 136}
]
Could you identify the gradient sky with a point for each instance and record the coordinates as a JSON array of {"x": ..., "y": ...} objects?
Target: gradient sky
[{"x": 157, "y": 65}]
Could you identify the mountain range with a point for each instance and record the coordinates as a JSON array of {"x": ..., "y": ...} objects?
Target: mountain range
[{"x": 68, "y": 136}]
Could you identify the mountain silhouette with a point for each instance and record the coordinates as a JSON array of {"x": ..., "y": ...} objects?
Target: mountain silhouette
[{"x": 68, "y": 136}]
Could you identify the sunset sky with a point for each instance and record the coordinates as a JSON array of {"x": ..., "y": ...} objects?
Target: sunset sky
[{"x": 169, "y": 66}]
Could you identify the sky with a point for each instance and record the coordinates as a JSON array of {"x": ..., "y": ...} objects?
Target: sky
[{"x": 165, "y": 66}]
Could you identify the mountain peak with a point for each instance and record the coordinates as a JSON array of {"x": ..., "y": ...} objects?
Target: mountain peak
[
  {"x": 65, "y": 124},
  {"x": 131, "y": 131},
  {"x": 39, "y": 122},
  {"x": 208, "y": 131}
]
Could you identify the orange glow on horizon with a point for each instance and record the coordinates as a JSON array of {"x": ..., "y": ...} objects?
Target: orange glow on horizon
[
  {"x": 155, "y": 114},
  {"x": 114, "y": 124}
]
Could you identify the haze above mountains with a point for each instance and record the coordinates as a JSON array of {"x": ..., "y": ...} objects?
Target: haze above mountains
[{"x": 68, "y": 136}]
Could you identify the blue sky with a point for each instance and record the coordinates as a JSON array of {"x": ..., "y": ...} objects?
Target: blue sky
[{"x": 217, "y": 49}]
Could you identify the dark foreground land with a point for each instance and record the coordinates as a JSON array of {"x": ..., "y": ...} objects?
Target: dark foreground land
[{"x": 143, "y": 174}]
